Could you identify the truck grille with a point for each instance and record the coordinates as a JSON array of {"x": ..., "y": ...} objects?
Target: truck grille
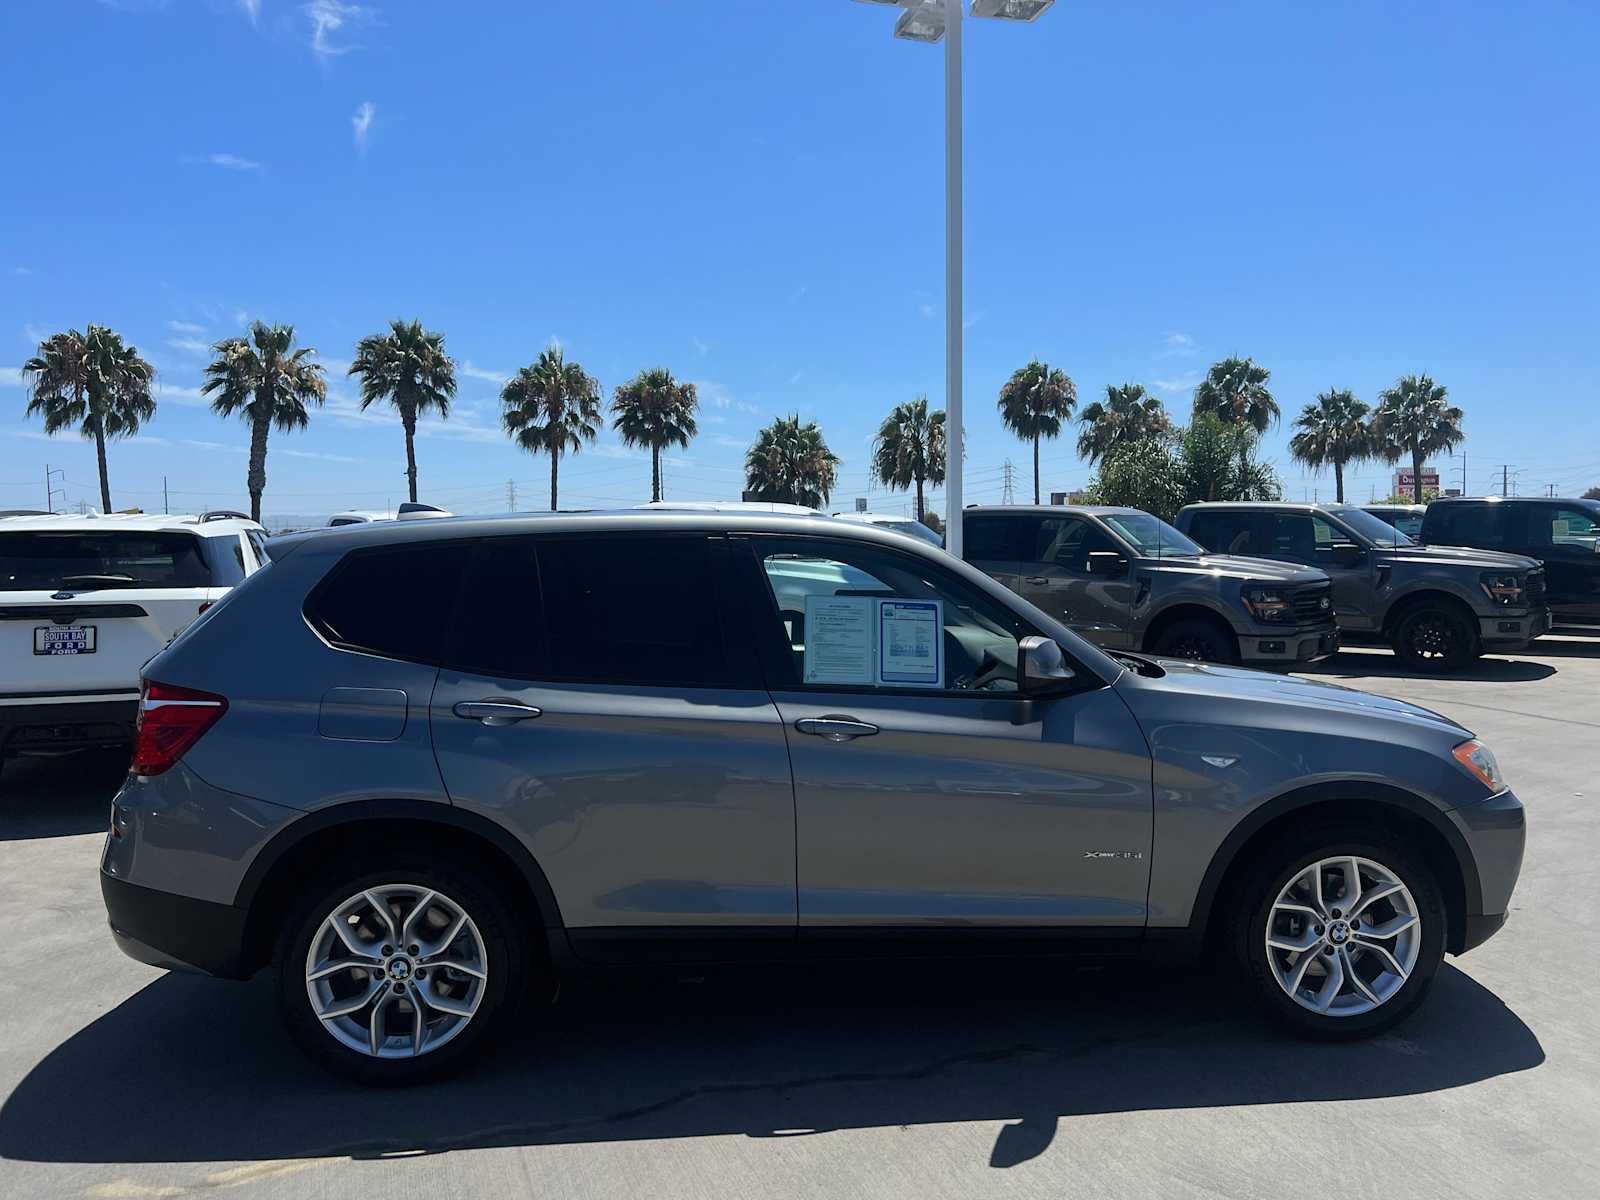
[
  {"x": 1313, "y": 603},
  {"x": 1534, "y": 591}
]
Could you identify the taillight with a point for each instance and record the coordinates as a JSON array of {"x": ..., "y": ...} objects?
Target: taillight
[{"x": 171, "y": 720}]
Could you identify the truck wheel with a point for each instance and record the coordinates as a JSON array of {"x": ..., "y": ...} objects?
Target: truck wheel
[
  {"x": 399, "y": 970},
  {"x": 1435, "y": 639},
  {"x": 1197, "y": 639},
  {"x": 1340, "y": 930}
]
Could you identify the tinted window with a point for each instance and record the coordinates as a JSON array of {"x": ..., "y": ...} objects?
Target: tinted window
[
  {"x": 1484, "y": 525},
  {"x": 500, "y": 627},
  {"x": 1152, "y": 536},
  {"x": 46, "y": 560},
  {"x": 258, "y": 543},
  {"x": 1067, "y": 542},
  {"x": 632, "y": 610},
  {"x": 1223, "y": 531},
  {"x": 1375, "y": 529},
  {"x": 997, "y": 538},
  {"x": 394, "y": 602},
  {"x": 1567, "y": 525}
]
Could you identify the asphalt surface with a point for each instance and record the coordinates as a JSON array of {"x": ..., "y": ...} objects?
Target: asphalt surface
[{"x": 121, "y": 1081}]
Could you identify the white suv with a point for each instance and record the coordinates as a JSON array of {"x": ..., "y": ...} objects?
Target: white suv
[{"x": 85, "y": 601}]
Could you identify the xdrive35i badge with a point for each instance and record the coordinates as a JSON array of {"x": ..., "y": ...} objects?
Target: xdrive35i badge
[{"x": 1113, "y": 853}]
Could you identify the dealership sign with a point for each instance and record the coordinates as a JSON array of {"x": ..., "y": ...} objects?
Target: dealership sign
[{"x": 1405, "y": 480}]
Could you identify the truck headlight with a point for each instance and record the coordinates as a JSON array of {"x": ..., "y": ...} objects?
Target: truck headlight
[
  {"x": 1481, "y": 764},
  {"x": 1270, "y": 606},
  {"x": 1503, "y": 588}
]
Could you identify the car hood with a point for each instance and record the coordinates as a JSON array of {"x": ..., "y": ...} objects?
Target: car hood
[
  {"x": 1462, "y": 556},
  {"x": 1235, "y": 566},
  {"x": 1210, "y": 682}
]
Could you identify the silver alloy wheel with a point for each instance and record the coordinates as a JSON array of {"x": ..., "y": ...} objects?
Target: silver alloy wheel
[
  {"x": 1343, "y": 936},
  {"x": 396, "y": 971}
]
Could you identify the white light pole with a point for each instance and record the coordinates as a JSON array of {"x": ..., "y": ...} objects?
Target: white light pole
[{"x": 928, "y": 21}]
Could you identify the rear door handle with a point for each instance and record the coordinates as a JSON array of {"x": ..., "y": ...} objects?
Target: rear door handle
[
  {"x": 835, "y": 728},
  {"x": 496, "y": 712},
  {"x": 1037, "y": 580}
]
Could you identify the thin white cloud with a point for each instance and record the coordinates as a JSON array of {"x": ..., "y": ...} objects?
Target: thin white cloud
[
  {"x": 33, "y": 333},
  {"x": 10, "y": 376},
  {"x": 556, "y": 343},
  {"x": 797, "y": 376},
  {"x": 472, "y": 372},
  {"x": 717, "y": 396},
  {"x": 731, "y": 443},
  {"x": 188, "y": 397},
  {"x": 224, "y": 447},
  {"x": 702, "y": 348},
  {"x": 22, "y": 272},
  {"x": 30, "y": 435},
  {"x": 974, "y": 319},
  {"x": 317, "y": 454},
  {"x": 231, "y": 162},
  {"x": 362, "y": 122},
  {"x": 252, "y": 9},
  {"x": 185, "y": 327},
  {"x": 331, "y": 21},
  {"x": 1183, "y": 383},
  {"x": 190, "y": 345},
  {"x": 1177, "y": 345}
]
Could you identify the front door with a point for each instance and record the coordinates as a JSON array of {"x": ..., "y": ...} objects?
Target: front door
[
  {"x": 590, "y": 704},
  {"x": 1313, "y": 541},
  {"x": 1095, "y": 603},
  {"x": 928, "y": 793},
  {"x": 1567, "y": 538}
]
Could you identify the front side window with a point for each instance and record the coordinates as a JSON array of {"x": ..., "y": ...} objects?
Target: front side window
[
  {"x": 45, "y": 560},
  {"x": 1375, "y": 529},
  {"x": 1152, "y": 536},
  {"x": 1068, "y": 542},
  {"x": 1564, "y": 526},
  {"x": 857, "y": 616}
]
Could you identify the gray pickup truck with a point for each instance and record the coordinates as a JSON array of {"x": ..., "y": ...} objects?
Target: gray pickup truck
[
  {"x": 1439, "y": 607},
  {"x": 1129, "y": 581}
]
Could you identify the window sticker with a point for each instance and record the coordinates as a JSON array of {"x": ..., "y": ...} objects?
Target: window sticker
[
  {"x": 839, "y": 641},
  {"x": 910, "y": 643}
]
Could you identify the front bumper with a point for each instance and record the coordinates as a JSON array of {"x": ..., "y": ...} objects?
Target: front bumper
[
  {"x": 1495, "y": 832},
  {"x": 1513, "y": 631},
  {"x": 1289, "y": 646},
  {"x": 76, "y": 725},
  {"x": 175, "y": 932}
]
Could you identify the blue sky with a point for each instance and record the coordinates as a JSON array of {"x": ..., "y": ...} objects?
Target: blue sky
[{"x": 750, "y": 193}]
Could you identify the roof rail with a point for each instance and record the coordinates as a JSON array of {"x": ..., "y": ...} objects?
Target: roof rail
[{"x": 224, "y": 514}]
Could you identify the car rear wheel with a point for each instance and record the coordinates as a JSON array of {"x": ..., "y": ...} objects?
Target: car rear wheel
[
  {"x": 400, "y": 973},
  {"x": 1196, "y": 639},
  {"x": 1435, "y": 639},
  {"x": 1340, "y": 931}
]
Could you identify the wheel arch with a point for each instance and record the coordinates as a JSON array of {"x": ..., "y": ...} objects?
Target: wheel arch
[
  {"x": 1185, "y": 610},
  {"x": 1436, "y": 839},
  {"x": 1423, "y": 596},
  {"x": 302, "y": 846}
]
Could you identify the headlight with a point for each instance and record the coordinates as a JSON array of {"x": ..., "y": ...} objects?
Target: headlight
[
  {"x": 1503, "y": 588},
  {"x": 1268, "y": 605},
  {"x": 1480, "y": 761}
]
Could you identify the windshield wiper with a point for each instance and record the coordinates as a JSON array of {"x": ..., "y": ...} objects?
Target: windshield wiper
[{"x": 97, "y": 581}]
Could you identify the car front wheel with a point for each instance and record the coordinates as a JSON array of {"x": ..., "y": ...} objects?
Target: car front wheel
[
  {"x": 1341, "y": 933},
  {"x": 398, "y": 974}
]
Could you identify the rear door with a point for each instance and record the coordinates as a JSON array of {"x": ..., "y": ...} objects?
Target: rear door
[
  {"x": 996, "y": 543},
  {"x": 82, "y": 611},
  {"x": 590, "y": 702}
]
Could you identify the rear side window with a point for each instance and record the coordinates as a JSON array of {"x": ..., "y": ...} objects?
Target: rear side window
[
  {"x": 1222, "y": 531},
  {"x": 258, "y": 543},
  {"x": 999, "y": 538},
  {"x": 392, "y": 602},
  {"x": 639, "y": 610},
  {"x": 1484, "y": 525},
  {"x": 39, "y": 560},
  {"x": 500, "y": 627}
]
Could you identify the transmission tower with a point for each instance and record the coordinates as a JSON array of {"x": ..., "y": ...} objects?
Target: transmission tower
[
  {"x": 1007, "y": 484},
  {"x": 511, "y": 495}
]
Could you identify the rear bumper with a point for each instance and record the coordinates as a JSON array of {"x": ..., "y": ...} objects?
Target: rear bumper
[
  {"x": 175, "y": 932},
  {"x": 1289, "y": 646},
  {"x": 64, "y": 724},
  {"x": 1513, "y": 631}
]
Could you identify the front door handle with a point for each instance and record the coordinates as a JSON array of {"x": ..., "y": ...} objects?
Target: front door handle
[
  {"x": 1037, "y": 580},
  {"x": 835, "y": 728},
  {"x": 496, "y": 712}
]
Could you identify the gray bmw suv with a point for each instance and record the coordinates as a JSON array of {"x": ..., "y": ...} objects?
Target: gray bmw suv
[{"x": 423, "y": 770}]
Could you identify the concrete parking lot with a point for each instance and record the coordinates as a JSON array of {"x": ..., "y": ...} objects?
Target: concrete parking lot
[{"x": 122, "y": 1081}]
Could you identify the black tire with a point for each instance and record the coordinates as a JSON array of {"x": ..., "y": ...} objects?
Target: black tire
[
  {"x": 1197, "y": 639},
  {"x": 1435, "y": 639},
  {"x": 505, "y": 954},
  {"x": 1272, "y": 870}
]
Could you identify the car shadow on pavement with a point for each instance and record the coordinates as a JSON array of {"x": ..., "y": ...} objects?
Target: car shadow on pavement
[
  {"x": 1556, "y": 645},
  {"x": 192, "y": 1070},
  {"x": 59, "y": 796},
  {"x": 1345, "y": 665}
]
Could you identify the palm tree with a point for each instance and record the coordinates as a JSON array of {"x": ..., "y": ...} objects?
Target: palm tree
[
  {"x": 552, "y": 406},
  {"x": 909, "y": 448},
  {"x": 1333, "y": 430},
  {"x": 407, "y": 367},
  {"x": 1413, "y": 418},
  {"x": 1235, "y": 390},
  {"x": 92, "y": 381},
  {"x": 269, "y": 384},
  {"x": 1128, "y": 414},
  {"x": 791, "y": 464},
  {"x": 653, "y": 409},
  {"x": 1033, "y": 403}
]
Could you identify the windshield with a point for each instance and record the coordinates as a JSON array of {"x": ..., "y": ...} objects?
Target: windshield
[
  {"x": 1152, "y": 536},
  {"x": 914, "y": 529},
  {"x": 1376, "y": 530},
  {"x": 85, "y": 561}
]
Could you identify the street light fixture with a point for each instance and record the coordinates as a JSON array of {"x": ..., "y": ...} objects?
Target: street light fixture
[{"x": 930, "y": 21}]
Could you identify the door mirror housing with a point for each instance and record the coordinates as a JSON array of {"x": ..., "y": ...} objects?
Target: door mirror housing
[
  {"x": 1044, "y": 667},
  {"x": 1107, "y": 564},
  {"x": 1348, "y": 556}
]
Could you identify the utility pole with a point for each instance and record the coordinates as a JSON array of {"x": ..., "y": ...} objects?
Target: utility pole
[
  {"x": 51, "y": 492},
  {"x": 165, "y": 507},
  {"x": 511, "y": 495},
  {"x": 1505, "y": 479},
  {"x": 1008, "y": 493}
]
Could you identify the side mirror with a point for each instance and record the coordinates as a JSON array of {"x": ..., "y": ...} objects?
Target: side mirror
[
  {"x": 1108, "y": 564},
  {"x": 1348, "y": 556},
  {"x": 1044, "y": 667}
]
